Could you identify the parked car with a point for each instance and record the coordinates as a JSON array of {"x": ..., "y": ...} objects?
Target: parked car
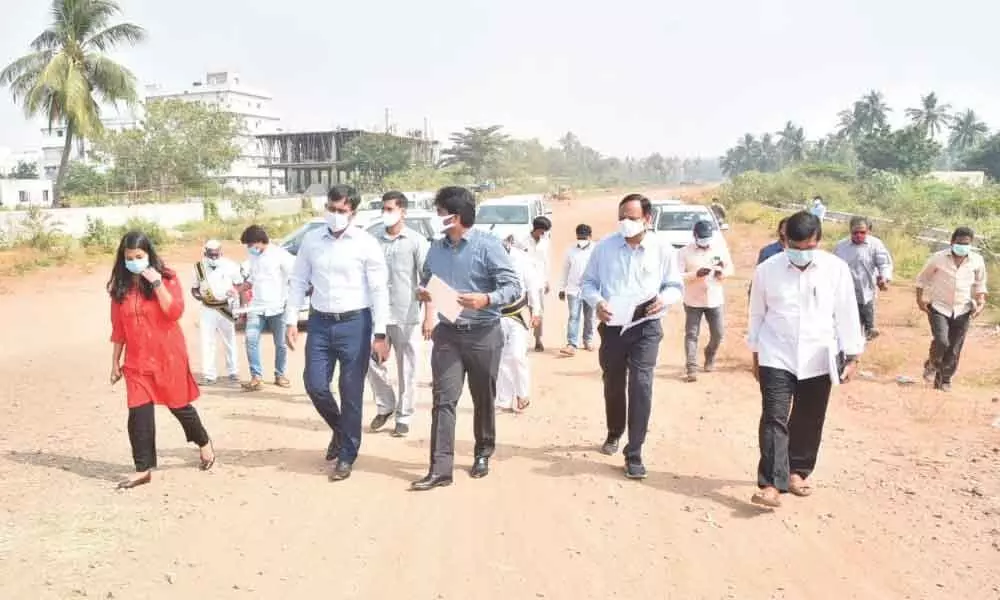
[
  {"x": 370, "y": 209},
  {"x": 674, "y": 221},
  {"x": 511, "y": 214}
]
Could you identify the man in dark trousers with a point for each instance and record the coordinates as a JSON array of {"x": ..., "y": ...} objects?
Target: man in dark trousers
[
  {"x": 630, "y": 280},
  {"x": 805, "y": 334},
  {"x": 349, "y": 310},
  {"x": 475, "y": 265}
]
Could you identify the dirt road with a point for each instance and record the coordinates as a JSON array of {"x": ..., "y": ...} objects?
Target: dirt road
[{"x": 908, "y": 504}]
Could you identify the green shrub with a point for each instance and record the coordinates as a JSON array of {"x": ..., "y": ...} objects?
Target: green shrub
[
  {"x": 99, "y": 236},
  {"x": 152, "y": 229}
]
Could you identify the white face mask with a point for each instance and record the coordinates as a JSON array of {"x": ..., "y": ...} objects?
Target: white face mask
[
  {"x": 444, "y": 223},
  {"x": 630, "y": 228},
  {"x": 582, "y": 243},
  {"x": 703, "y": 242},
  {"x": 389, "y": 219},
  {"x": 337, "y": 221}
]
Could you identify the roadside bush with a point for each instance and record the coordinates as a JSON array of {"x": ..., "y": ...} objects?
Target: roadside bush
[
  {"x": 750, "y": 212},
  {"x": 99, "y": 237},
  {"x": 40, "y": 230},
  {"x": 248, "y": 206},
  {"x": 152, "y": 229}
]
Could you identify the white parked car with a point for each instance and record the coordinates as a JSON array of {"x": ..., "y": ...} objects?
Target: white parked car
[
  {"x": 674, "y": 221},
  {"x": 370, "y": 209},
  {"x": 511, "y": 214}
]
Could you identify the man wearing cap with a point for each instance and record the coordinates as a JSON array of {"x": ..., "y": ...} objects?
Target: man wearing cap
[
  {"x": 215, "y": 278},
  {"x": 705, "y": 263},
  {"x": 536, "y": 243},
  {"x": 569, "y": 291}
]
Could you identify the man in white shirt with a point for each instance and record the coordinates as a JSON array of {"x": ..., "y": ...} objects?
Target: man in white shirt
[
  {"x": 951, "y": 289},
  {"x": 631, "y": 280},
  {"x": 569, "y": 290},
  {"x": 268, "y": 270},
  {"x": 214, "y": 281},
  {"x": 514, "y": 376},
  {"x": 818, "y": 209},
  {"x": 705, "y": 263},
  {"x": 405, "y": 251},
  {"x": 536, "y": 243},
  {"x": 804, "y": 334},
  {"x": 348, "y": 317},
  {"x": 871, "y": 268}
]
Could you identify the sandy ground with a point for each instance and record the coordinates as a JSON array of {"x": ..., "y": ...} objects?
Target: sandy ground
[{"x": 908, "y": 504}]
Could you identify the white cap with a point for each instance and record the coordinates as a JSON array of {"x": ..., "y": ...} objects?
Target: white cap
[{"x": 213, "y": 245}]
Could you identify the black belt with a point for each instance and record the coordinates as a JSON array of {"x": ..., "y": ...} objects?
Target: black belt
[
  {"x": 341, "y": 316},
  {"x": 515, "y": 307},
  {"x": 469, "y": 326}
]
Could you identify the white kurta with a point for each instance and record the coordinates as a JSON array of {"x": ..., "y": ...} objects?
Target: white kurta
[
  {"x": 514, "y": 377},
  {"x": 219, "y": 280}
]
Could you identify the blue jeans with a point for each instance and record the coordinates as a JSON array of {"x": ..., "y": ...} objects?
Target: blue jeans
[
  {"x": 256, "y": 323},
  {"x": 349, "y": 343},
  {"x": 577, "y": 306}
]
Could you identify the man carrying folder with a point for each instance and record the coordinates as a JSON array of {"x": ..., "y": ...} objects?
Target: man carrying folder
[
  {"x": 630, "y": 280},
  {"x": 805, "y": 337}
]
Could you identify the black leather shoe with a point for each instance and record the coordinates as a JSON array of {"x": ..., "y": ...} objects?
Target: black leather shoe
[
  {"x": 342, "y": 471},
  {"x": 430, "y": 482},
  {"x": 379, "y": 421},
  {"x": 610, "y": 446},
  {"x": 634, "y": 469},
  {"x": 480, "y": 467},
  {"x": 334, "y": 448},
  {"x": 131, "y": 483},
  {"x": 401, "y": 430}
]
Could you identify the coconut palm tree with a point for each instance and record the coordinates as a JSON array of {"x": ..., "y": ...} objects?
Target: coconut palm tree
[
  {"x": 967, "y": 131},
  {"x": 874, "y": 110},
  {"x": 792, "y": 143},
  {"x": 932, "y": 116},
  {"x": 68, "y": 73}
]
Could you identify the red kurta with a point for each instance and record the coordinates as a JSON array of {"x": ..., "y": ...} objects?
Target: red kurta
[{"x": 156, "y": 367}]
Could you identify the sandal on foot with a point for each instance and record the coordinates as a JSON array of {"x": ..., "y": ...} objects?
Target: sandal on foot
[
  {"x": 800, "y": 489},
  {"x": 761, "y": 499},
  {"x": 523, "y": 404},
  {"x": 253, "y": 385},
  {"x": 207, "y": 464}
]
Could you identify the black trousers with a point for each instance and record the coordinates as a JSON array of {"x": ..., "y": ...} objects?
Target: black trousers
[
  {"x": 627, "y": 362},
  {"x": 472, "y": 351},
  {"x": 867, "y": 314},
  {"x": 142, "y": 432},
  {"x": 791, "y": 425},
  {"x": 948, "y": 337}
]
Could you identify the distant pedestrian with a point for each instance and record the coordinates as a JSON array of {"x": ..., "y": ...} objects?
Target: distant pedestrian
[
  {"x": 348, "y": 315},
  {"x": 474, "y": 264},
  {"x": 405, "y": 251},
  {"x": 147, "y": 302},
  {"x": 269, "y": 270},
  {"x": 871, "y": 269},
  {"x": 214, "y": 287},
  {"x": 538, "y": 246},
  {"x": 818, "y": 209},
  {"x": 519, "y": 317},
  {"x": 803, "y": 332},
  {"x": 705, "y": 264},
  {"x": 630, "y": 271},
  {"x": 951, "y": 289},
  {"x": 575, "y": 264},
  {"x": 719, "y": 211}
]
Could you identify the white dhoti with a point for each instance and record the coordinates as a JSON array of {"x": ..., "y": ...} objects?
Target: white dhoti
[
  {"x": 404, "y": 343},
  {"x": 214, "y": 324},
  {"x": 514, "y": 377}
]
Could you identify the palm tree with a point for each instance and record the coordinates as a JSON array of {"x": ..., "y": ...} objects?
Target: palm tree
[
  {"x": 931, "y": 117},
  {"x": 476, "y": 148},
  {"x": 967, "y": 131},
  {"x": 792, "y": 143},
  {"x": 874, "y": 110},
  {"x": 68, "y": 72}
]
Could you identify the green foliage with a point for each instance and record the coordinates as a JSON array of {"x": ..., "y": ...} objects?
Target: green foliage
[
  {"x": 985, "y": 158},
  {"x": 425, "y": 178},
  {"x": 179, "y": 143},
  {"x": 39, "y": 229},
  {"x": 905, "y": 151},
  {"x": 477, "y": 150},
  {"x": 247, "y": 206},
  {"x": 23, "y": 170},
  {"x": 156, "y": 234},
  {"x": 83, "y": 180},
  {"x": 99, "y": 236},
  {"x": 374, "y": 156},
  {"x": 210, "y": 209}
]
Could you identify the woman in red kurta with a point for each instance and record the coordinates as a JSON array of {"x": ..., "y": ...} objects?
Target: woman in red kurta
[{"x": 146, "y": 304}]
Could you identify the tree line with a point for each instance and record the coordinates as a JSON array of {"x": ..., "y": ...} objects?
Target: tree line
[{"x": 934, "y": 137}]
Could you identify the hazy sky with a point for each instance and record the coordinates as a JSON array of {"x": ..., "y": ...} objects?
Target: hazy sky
[{"x": 628, "y": 77}]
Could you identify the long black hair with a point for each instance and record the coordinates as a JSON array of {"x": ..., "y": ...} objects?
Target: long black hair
[{"x": 122, "y": 280}]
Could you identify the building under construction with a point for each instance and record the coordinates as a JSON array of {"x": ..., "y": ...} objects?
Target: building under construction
[{"x": 314, "y": 160}]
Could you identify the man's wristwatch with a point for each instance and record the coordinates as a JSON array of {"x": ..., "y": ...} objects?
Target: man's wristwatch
[
  {"x": 379, "y": 336},
  {"x": 157, "y": 283}
]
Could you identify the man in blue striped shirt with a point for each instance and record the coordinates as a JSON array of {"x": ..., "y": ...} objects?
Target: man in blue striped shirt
[
  {"x": 630, "y": 268},
  {"x": 475, "y": 264}
]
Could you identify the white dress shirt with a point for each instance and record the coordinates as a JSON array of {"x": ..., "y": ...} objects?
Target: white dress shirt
[
  {"x": 951, "y": 289},
  {"x": 798, "y": 317},
  {"x": 528, "y": 278},
  {"x": 347, "y": 272},
  {"x": 268, "y": 274},
  {"x": 573, "y": 268},
  {"x": 538, "y": 251},
  {"x": 704, "y": 292}
]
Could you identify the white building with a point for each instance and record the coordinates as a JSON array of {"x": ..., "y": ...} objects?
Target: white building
[
  {"x": 226, "y": 90},
  {"x": 22, "y": 193},
  {"x": 223, "y": 89}
]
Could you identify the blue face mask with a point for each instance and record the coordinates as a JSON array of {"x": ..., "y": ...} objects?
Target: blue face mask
[
  {"x": 961, "y": 249},
  {"x": 799, "y": 258},
  {"x": 254, "y": 251},
  {"x": 137, "y": 265}
]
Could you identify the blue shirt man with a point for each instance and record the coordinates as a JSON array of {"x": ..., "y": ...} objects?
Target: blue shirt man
[
  {"x": 630, "y": 272},
  {"x": 476, "y": 266}
]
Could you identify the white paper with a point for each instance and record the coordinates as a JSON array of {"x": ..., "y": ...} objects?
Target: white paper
[
  {"x": 622, "y": 309},
  {"x": 445, "y": 299},
  {"x": 831, "y": 354}
]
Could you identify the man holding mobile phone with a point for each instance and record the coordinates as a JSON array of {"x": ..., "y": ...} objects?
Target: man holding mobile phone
[{"x": 803, "y": 325}]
